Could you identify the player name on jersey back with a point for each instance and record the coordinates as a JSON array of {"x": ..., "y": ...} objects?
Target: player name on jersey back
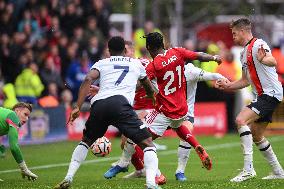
[{"x": 118, "y": 76}]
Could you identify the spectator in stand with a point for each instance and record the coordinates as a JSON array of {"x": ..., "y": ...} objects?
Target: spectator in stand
[
  {"x": 77, "y": 72},
  {"x": 5, "y": 23},
  {"x": 101, "y": 10},
  {"x": 78, "y": 33},
  {"x": 5, "y": 55},
  {"x": 44, "y": 19},
  {"x": 62, "y": 49},
  {"x": 51, "y": 99},
  {"x": 55, "y": 32},
  {"x": 54, "y": 54},
  {"x": 92, "y": 30},
  {"x": 28, "y": 19},
  {"x": 49, "y": 74},
  {"x": 70, "y": 20},
  {"x": 95, "y": 49},
  {"x": 28, "y": 85},
  {"x": 9, "y": 96},
  {"x": 140, "y": 44},
  {"x": 66, "y": 99}
]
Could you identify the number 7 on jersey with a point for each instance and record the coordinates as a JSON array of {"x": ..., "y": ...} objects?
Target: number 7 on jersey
[{"x": 125, "y": 70}]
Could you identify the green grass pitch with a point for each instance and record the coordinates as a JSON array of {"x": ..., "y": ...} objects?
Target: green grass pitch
[{"x": 50, "y": 162}]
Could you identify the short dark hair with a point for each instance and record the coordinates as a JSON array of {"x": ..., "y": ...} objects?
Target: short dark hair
[
  {"x": 243, "y": 23},
  {"x": 23, "y": 105},
  {"x": 116, "y": 44},
  {"x": 154, "y": 41}
]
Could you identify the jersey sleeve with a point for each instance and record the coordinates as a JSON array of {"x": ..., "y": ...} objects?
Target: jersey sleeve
[
  {"x": 96, "y": 66},
  {"x": 14, "y": 145},
  {"x": 191, "y": 72},
  {"x": 264, "y": 44},
  {"x": 208, "y": 76},
  {"x": 142, "y": 71},
  {"x": 187, "y": 54},
  {"x": 150, "y": 70}
]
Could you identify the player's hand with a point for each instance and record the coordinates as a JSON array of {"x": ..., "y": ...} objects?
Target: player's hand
[
  {"x": 30, "y": 175},
  {"x": 74, "y": 114},
  {"x": 93, "y": 91},
  {"x": 222, "y": 84},
  {"x": 217, "y": 59},
  {"x": 26, "y": 172},
  {"x": 261, "y": 53}
]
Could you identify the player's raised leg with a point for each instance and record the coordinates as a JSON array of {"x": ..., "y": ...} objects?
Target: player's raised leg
[{"x": 184, "y": 133}]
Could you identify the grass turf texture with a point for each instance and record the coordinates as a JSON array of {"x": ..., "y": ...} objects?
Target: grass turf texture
[{"x": 51, "y": 164}]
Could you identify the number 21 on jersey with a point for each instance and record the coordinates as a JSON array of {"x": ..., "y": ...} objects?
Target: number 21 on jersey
[{"x": 170, "y": 88}]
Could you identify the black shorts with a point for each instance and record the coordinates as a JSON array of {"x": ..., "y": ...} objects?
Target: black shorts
[
  {"x": 116, "y": 111},
  {"x": 264, "y": 106},
  {"x": 190, "y": 119}
]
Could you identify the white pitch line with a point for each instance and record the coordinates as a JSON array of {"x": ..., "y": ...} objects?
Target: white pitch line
[{"x": 160, "y": 153}]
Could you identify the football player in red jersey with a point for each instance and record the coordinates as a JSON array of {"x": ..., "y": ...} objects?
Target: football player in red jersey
[{"x": 167, "y": 69}]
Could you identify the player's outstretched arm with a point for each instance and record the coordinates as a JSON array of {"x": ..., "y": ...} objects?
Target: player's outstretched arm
[
  {"x": 204, "y": 57},
  {"x": 17, "y": 154},
  {"x": 231, "y": 86},
  {"x": 83, "y": 92},
  {"x": 208, "y": 76}
]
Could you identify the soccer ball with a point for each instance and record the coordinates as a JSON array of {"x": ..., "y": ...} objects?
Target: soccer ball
[{"x": 101, "y": 147}]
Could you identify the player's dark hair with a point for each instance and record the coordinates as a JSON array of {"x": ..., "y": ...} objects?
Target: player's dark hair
[
  {"x": 154, "y": 41},
  {"x": 242, "y": 23},
  {"x": 116, "y": 45},
  {"x": 23, "y": 105}
]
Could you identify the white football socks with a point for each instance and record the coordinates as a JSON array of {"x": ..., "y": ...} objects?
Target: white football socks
[
  {"x": 127, "y": 153},
  {"x": 246, "y": 142},
  {"x": 151, "y": 165},
  {"x": 266, "y": 149},
  {"x": 79, "y": 155},
  {"x": 183, "y": 155}
]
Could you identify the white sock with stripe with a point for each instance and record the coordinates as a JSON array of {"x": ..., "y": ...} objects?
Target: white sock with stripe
[
  {"x": 151, "y": 165},
  {"x": 183, "y": 155},
  {"x": 266, "y": 149},
  {"x": 246, "y": 142},
  {"x": 127, "y": 153},
  {"x": 79, "y": 155}
]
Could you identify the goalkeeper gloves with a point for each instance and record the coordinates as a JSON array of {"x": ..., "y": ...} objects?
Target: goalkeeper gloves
[{"x": 26, "y": 172}]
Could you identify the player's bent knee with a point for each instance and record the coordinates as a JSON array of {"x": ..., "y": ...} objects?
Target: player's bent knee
[
  {"x": 240, "y": 121},
  {"x": 146, "y": 143},
  {"x": 257, "y": 139}
]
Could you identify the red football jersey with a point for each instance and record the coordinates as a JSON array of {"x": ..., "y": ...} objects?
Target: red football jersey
[
  {"x": 168, "y": 70},
  {"x": 140, "y": 102}
]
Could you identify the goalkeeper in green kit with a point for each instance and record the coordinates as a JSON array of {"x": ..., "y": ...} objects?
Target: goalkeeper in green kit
[{"x": 10, "y": 122}]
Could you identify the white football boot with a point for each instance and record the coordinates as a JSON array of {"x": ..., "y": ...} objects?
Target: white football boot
[
  {"x": 244, "y": 175},
  {"x": 275, "y": 175}
]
